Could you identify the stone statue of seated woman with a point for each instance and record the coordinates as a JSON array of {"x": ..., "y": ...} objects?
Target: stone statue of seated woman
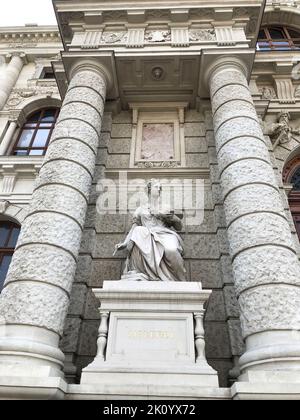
[{"x": 155, "y": 250}]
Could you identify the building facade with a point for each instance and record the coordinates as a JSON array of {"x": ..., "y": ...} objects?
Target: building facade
[{"x": 92, "y": 98}]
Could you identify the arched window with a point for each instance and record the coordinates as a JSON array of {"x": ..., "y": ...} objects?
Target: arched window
[
  {"x": 278, "y": 38},
  {"x": 291, "y": 176},
  {"x": 9, "y": 233},
  {"x": 35, "y": 134}
]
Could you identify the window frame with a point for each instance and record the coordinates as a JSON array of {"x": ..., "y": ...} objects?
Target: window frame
[
  {"x": 37, "y": 128},
  {"x": 4, "y": 250},
  {"x": 271, "y": 41}
]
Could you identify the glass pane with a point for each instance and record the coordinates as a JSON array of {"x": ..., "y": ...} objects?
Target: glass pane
[
  {"x": 276, "y": 33},
  {"x": 294, "y": 34},
  {"x": 25, "y": 138},
  {"x": 30, "y": 125},
  {"x": 262, "y": 34},
  {"x": 13, "y": 237},
  {"x": 4, "y": 232},
  {"x": 36, "y": 152},
  {"x": 41, "y": 138},
  {"x": 45, "y": 125},
  {"x": 20, "y": 153},
  {"x": 49, "y": 115},
  {"x": 295, "y": 180},
  {"x": 35, "y": 117},
  {"x": 4, "y": 268}
]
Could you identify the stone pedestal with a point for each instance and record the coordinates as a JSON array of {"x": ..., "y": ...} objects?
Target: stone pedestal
[{"x": 151, "y": 336}]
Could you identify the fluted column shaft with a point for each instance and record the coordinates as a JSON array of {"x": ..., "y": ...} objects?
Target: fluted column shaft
[
  {"x": 265, "y": 264},
  {"x": 35, "y": 298},
  {"x": 10, "y": 77}
]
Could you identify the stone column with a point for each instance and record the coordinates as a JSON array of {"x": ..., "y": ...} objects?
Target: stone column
[
  {"x": 6, "y": 141},
  {"x": 10, "y": 76},
  {"x": 35, "y": 297},
  {"x": 265, "y": 264}
]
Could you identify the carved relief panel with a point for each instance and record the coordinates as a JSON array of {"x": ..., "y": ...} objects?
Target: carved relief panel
[{"x": 158, "y": 136}]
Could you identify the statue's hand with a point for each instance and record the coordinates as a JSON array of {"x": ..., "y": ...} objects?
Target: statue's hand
[{"x": 119, "y": 247}]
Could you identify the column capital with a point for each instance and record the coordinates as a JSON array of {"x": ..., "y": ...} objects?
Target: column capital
[
  {"x": 225, "y": 63},
  {"x": 19, "y": 54},
  {"x": 101, "y": 63},
  {"x": 100, "y": 69}
]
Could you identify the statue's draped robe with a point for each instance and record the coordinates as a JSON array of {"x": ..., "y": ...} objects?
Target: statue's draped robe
[{"x": 157, "y": 250}]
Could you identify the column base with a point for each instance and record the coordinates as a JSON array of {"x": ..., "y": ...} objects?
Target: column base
[
  {"x": 27, "y": 351},
  {"x": 32, "y": 388},
  {"x": 267, "y": 385}
]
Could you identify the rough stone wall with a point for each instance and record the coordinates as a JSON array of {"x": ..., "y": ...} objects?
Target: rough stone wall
[{"x": 206, "y": 252}]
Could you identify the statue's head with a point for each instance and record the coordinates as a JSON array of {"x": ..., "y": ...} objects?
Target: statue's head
[
  {"x": 154, "y": 188},
  {"x": 284, "y": 116}
]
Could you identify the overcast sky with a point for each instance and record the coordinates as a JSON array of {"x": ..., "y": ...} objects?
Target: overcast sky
[{"x": 20, "y": 12}]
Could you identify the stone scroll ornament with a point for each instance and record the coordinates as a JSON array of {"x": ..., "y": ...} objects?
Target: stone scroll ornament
[
  {"x": 158, "y": 36},
  {"x": 154, "y": 248},
  {"x": 281, "y": 132}
]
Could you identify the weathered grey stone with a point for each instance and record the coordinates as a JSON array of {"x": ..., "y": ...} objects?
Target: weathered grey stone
[
  {"x": 104, "y": 270},
  {"x": 42, "y": 263},
  {"x": 194, "y": 129},
  {"x": 69, "y": 341},
  {"x": 208, "y": 272},
  {"x": 88, "y": 241},
  {"x": 231, "y": 303},
  {"x": 84, "y": 268},
  {"x": 121, "y": 130},
  {"x": 217, "y": 194},
  {"x": 105, "y": 139},
  {"x": 195, "y": 145},
  {"x": 88, "y": 338},
  {"x": 34, "y": 303},
  {"x": 242, "y": 127},
  {"x": 91, "y": 310},
  {"x": 215, "y": 308},
  {"x": 217, "y": 343},
  {"x": 223, "y": 240},
  {"x": 212, "y": 155},
  {"x": 257, "y": 229},
  {"x": 78, "y": 130},
  {"x": 67, "y": 173},
  {"x": 214, "y": 173},
  {"x": 196, "y": 160},
  {"x": 118, "y": 161},
  {"x": 231, "y": 110},
  {"x": 124, "y": 117},
  {"x": 201, "y": 246},
  {"x": 226, "y": 269},
  {"x": 246, "y": 172},
  {"x": 59, "y": 198},
  {"x": 250, "y": 199},
  {"x": 106, "y": 223},
  {"x": 219, "y": 216},
  {"x": 45, "y": 228},
  {"x": 235, "y": 336},
  {"x": 106, "y": 122},
  {"x": 82, "y": 112},
  {"x": 222, "y": 366},
  {"x": 105, "y": 245},
  {"x": 231, "y": 77},
  {"x": 229, "y": 93},
  {"x": 119, "y": 146},
  {"x": 270, "y": 315},
  {"x": 89, "y": 78},
  {"x": 77, "y": 300},
  {"x": 241, "y": 148},
  {"x": 193, "y": 116},
  {"x": 207, "y": 225},
  {"x": 85, "y": 95},
  {"x": 72, "y": 150},
  {"x": 210, "y": 138},
  {"x": 265, "y": 265}
]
